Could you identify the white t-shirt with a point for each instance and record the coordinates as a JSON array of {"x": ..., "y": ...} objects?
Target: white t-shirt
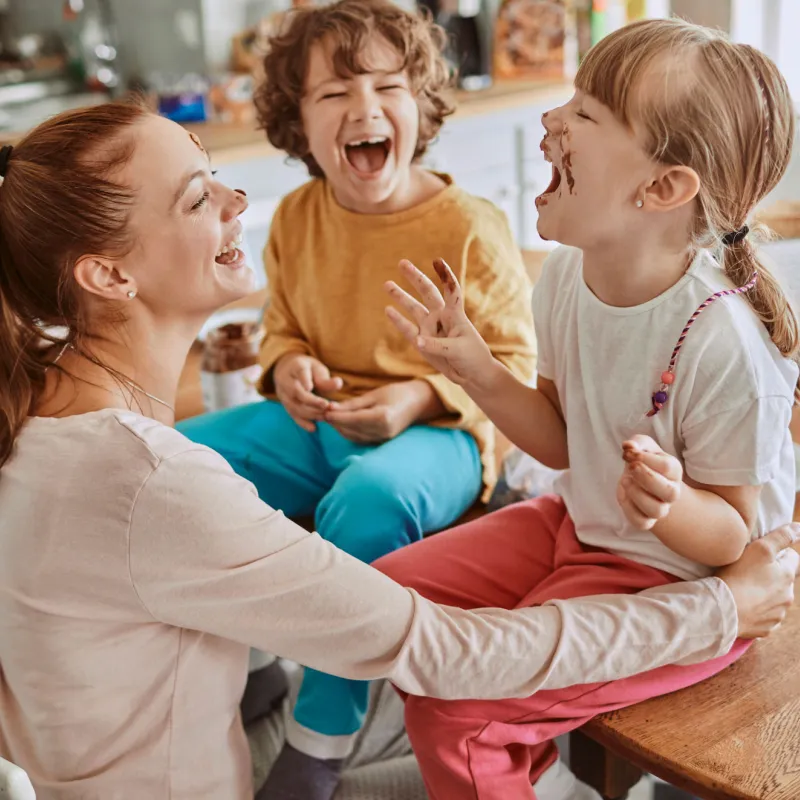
[{"x": 727, "y": 418}]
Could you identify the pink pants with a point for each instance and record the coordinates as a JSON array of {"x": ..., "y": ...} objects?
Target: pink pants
[{"x": 520, "y": 556}]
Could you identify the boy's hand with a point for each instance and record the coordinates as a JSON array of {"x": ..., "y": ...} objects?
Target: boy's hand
[
  {"x": 650, "y": 484},
  {"x": 438, "y": 327},
  {"x": 296, "y": 377},
  {"x": 384, "y": 413}
]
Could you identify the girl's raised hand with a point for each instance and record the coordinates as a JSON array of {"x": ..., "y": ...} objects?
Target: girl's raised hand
[{"x": 438, "y": 326}]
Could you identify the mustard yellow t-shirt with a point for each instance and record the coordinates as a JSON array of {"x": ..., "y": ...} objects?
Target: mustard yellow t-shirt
[{"x": 327, "y": 266}]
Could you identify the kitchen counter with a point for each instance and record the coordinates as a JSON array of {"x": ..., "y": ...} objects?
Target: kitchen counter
[{"x": 229, "y": 142}]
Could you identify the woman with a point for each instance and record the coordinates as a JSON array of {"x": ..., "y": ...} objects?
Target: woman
[{"x": 136, "y": 568}]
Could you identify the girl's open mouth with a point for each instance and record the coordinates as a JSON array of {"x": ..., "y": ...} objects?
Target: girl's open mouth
[
  {"x": 368, "y": 157},
  {"x": 555, "y": 183}
]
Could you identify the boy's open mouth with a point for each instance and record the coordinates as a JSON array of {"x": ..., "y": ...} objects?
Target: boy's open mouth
[{"x": 368, "y": 156}]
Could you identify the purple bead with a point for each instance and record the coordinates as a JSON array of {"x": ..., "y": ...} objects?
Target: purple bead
[{"x": 660, "y": 397}]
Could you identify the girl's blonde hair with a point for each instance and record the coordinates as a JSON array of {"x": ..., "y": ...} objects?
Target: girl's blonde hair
[{"x": 722, "y": 109}]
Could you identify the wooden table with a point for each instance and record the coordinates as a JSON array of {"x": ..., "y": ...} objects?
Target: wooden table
[{"x": 736, "y": 735}]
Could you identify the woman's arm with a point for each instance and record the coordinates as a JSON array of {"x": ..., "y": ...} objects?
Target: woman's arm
[{"x": 207, "y": 554}]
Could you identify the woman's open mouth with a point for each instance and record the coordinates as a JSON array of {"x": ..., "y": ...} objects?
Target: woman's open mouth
[
  {"x": 231, "y": 255},
  {"x": 555, "y": 183},
  {"x": 368, "y": 156}
]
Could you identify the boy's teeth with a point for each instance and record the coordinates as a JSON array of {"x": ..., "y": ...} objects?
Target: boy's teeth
[{"x": 371, "y": 140}]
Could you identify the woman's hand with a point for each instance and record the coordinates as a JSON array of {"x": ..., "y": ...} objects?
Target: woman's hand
[
  {"x": 299, "y": 380},
  {"x": 762, "y": 581},
  {"x": 438, "y": 327},
  {"x": 386, "y": 412}
]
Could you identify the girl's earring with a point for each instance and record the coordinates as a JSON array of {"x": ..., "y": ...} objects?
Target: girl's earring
[
  {"x": 131, "y": 295},
  {"x": 639, "y": 203}
]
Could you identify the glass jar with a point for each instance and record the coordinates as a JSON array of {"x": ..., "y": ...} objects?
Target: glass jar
[{"x": 230, "y": 371}]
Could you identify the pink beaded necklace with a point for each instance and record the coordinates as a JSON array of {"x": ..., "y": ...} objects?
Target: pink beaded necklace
[{"x": 660, "y": 397}]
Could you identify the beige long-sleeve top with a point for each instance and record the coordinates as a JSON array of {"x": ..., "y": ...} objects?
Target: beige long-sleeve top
[{"x": 136, "y": 569}]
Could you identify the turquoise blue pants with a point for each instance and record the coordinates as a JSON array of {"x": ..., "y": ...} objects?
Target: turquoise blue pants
[{"x": 367, "y": 500}]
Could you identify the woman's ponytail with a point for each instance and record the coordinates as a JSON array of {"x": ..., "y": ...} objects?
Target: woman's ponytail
[
  {"x": 21, "y": 376},
  {"x": 58, "y": 202}
]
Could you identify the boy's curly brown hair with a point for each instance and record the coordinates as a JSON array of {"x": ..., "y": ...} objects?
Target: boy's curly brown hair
[{"x": 349, "y": 24}]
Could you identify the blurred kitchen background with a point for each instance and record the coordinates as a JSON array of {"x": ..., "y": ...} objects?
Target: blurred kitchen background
[
  {"x": 199, "y": 59},
  {"x": 59, "y": 53}
]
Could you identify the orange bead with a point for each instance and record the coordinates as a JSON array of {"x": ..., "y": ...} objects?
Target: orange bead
[{"x": 668, "y": 378}]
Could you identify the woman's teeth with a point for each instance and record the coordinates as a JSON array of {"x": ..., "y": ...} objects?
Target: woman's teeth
[{"x": 231, "y": 246}]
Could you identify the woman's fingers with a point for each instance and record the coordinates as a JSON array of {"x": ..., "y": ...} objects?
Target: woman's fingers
[{"x": 431, "y": 296}]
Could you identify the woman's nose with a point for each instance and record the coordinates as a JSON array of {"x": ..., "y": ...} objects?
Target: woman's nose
[{"x": 237, "y": 205}]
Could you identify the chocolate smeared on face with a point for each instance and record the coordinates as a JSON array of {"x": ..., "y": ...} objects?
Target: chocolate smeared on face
[
  {"x": 196, "y": 139},
  {"x": 566, "y": 165},
  {"x": 566, "y": 159}
]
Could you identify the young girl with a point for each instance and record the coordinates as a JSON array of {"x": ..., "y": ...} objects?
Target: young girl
[{"x": 666, "y": 377}]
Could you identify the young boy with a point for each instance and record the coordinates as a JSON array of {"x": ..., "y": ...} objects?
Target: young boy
[{"x": 363, "y": 432}]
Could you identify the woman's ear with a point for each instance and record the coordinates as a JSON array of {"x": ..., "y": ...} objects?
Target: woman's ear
[{"x": 101, "y": 277}]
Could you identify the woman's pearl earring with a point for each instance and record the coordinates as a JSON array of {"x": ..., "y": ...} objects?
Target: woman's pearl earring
[
  {"x": 639, "y": 203},
  {"x": 131, "y": 295}
]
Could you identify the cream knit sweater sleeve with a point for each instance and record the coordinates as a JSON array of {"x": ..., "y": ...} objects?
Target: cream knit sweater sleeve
[{"x": 206, "y": 554}]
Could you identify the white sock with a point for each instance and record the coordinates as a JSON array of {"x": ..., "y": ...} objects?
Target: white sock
[{"x": 259, "y": 659}]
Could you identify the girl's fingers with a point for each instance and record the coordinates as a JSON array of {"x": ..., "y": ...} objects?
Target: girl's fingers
[
  {"x": 647, "y": 505},
  {"x": 654, "y": 483},
  {"x": 644, "y": 449},
  {"x": 632, "y": 513},
  {"x": 450, "y": 287},
  {"x": 431, "y": 296},
  {"x": 412, "y": 307},
  {"x": 409, "y": 330},
  {"x": 432, "y": 346},
  {"x": 662, "y": 463}
]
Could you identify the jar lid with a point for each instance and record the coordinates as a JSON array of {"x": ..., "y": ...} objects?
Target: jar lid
[{"x": 234, "y": 333}]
